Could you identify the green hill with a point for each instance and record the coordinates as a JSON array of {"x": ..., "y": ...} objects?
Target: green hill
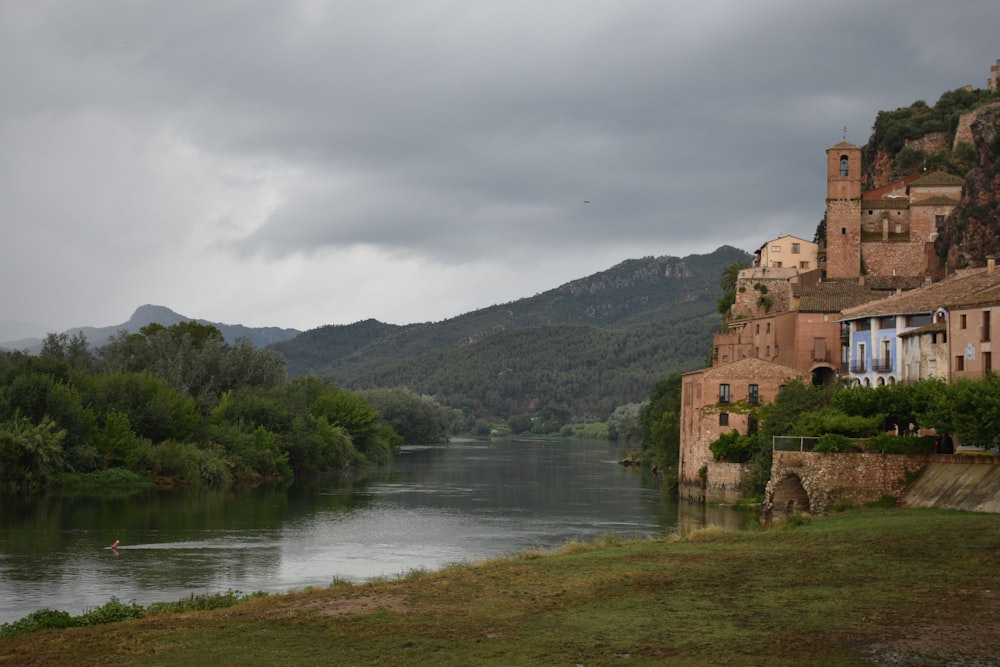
[{"x": 585, "y": 347}]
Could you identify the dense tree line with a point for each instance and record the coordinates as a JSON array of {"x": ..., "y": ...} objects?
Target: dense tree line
[
  {"x": 660, "y": 424},
  {"x": 587, "y": 371},
  {"x": 179, "y": 404}
]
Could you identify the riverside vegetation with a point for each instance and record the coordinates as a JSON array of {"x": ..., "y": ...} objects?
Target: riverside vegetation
[
  {"x": 861, "y": 586},
  {"x": 179, "y": 405}
]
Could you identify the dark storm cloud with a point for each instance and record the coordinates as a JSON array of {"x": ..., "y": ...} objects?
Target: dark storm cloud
[{"x": 271, "y": 145}]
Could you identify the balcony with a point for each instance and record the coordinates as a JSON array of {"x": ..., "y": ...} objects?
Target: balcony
[
  {"x": 882, "y": 365},
  {"x": 859, "y": 367}
]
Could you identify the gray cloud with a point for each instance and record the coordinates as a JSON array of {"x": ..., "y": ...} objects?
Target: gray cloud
[{"x": 316, "y": 162}]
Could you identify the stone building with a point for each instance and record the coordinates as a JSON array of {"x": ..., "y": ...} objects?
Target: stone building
[
  {"x": 715, "y": 401},
  {"x": 889, "y": 231}
]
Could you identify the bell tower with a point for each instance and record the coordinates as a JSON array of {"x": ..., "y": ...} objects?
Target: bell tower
[{"x": 843, "y": 211}]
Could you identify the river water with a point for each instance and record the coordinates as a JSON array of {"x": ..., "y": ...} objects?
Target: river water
[{"x": 434, "y": 506}]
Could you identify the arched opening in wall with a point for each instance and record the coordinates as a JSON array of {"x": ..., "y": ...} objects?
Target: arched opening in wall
[
  {"x": 892, "y": 380},
  {"x": 880, "y": 382},
  {"x": 845, "y": 168},
  {"x": 868, "y": 382},
  {"x": 790, "y": 496},
  {"x": 823, "y": 376}
]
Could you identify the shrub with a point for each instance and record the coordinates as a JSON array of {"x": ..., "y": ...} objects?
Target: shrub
[
  {"x": 42, "y": 619},
  {"x": 112, "y": 612},
  {"x": 830, "y": 443},
  {"x": 735, "y": 447},
  {"x": 894, "y": 444}
]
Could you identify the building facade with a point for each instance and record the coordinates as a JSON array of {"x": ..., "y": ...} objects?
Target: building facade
[{"x": 715, "y": 401}]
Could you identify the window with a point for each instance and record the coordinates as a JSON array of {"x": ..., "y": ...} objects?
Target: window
[
  {"x": 751, "y": 426},
  {"x": 776, "y": 248},
  {"x": 768, "y": 327},
  {"x": 723, "y": 419},
  {"x": 986, "y": 326},
  {"x": 723, "y": 393},
  {"x": 777, "y": 265},
  {"x": 962, "y": 322},
  {"x": 987, "y": 362},
  {"x": 959, "y": 362},
  {"x": 796, "y": 248},
  {"x": 918, "y": 320},
  {"x": 863, "y": 325},
  {"x": 845, "y": 168},
  {"x": 753, "y": 394},
  {"x": 843, "y": 231},
  {"x": 819, "y": 349},
  {"x": 758, "y": 327},
  {"x": 803, "y": 265}
]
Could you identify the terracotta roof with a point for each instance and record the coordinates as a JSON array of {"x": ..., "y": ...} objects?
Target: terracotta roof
[
  {"x": 938, "y": 178},
  {"x": 886, "y": 283},
  {"x": 876, "y": 193},
  {"x": 886, "y": 203},
  {"x": 843, "y": 144},
  {"x": 936, "y": 200},
  {"x": 989, "y": 295},
  {"x": 926, "y": 299},
  {"x": 937, "y": 327},
  {"x": 832, "y": 296},
  {"x": 749, "y": 367}
]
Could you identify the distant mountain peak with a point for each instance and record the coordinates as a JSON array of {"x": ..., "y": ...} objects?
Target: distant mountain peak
[{"x": 148, "y": 314}]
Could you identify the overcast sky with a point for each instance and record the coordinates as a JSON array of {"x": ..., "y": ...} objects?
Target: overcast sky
[{"x": 301, "y": 163}]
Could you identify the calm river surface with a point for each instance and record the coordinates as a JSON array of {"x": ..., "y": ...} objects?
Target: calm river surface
[{"x": 435, "y": 506}]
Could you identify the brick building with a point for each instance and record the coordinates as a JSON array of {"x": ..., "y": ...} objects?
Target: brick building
[
  {"x": 715, "y": 401},
  {"x": 889, "y": 231}
]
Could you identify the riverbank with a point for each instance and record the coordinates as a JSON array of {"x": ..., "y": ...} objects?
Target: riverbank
[{"x": 862, "y": 587}]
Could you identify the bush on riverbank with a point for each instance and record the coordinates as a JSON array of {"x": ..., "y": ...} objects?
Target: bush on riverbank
[{"x": 115, "y": 611}]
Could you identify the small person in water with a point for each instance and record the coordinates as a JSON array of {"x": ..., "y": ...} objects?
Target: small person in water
[{"x": 114, "y": 548}]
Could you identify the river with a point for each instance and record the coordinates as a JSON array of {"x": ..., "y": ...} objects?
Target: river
[{"x": 434, "y": 506}]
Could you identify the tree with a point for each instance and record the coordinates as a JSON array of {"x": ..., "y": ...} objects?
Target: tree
[
  {"x": 727, "y": 281},
  {"x": 31, "y": 455},
  {"x": 660, "y": 422},
  {"x": 418, "y": 419}
]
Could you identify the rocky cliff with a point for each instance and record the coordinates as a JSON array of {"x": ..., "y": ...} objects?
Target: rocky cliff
[{"x": 972, "y": 232}]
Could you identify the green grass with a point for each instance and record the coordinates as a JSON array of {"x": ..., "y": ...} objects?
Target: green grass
[{"x": 863, "y": 586}]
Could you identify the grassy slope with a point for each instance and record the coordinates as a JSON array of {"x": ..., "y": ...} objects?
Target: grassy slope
[{"x": 885, "y": 586}]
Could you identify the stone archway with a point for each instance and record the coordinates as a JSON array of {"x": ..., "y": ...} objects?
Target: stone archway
[
  {"x": 790, "y": 496},
  {"x": 823, "y": 375}
]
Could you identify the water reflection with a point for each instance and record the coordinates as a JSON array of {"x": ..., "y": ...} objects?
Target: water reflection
[{"x": 434, "y": 506}]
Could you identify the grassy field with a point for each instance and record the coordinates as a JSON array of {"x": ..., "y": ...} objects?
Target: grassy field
[{"x": 867, "y": 586}]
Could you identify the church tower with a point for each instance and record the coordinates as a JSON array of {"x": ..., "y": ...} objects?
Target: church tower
[{"x": 843, "y": 211}]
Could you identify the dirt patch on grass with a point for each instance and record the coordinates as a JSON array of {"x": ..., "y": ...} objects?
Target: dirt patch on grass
[
  {"x": 966, "y": 640},
  {"x": 338, "y": 605}
]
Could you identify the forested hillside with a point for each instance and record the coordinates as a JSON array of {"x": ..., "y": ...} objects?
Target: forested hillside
[{"x": 585, "y": 347}]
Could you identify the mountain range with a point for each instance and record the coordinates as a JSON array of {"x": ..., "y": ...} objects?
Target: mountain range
[
  {"x": 144, "y": 315},
  {"x": 581, "y": 349},
  {"x": 584, "y": 347}
]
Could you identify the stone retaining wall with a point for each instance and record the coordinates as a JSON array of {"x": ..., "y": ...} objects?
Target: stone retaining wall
[{"x": 812, "y": 482}]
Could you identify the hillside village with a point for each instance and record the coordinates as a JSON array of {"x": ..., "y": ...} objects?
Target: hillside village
[{"x": 870, "y": 303}]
